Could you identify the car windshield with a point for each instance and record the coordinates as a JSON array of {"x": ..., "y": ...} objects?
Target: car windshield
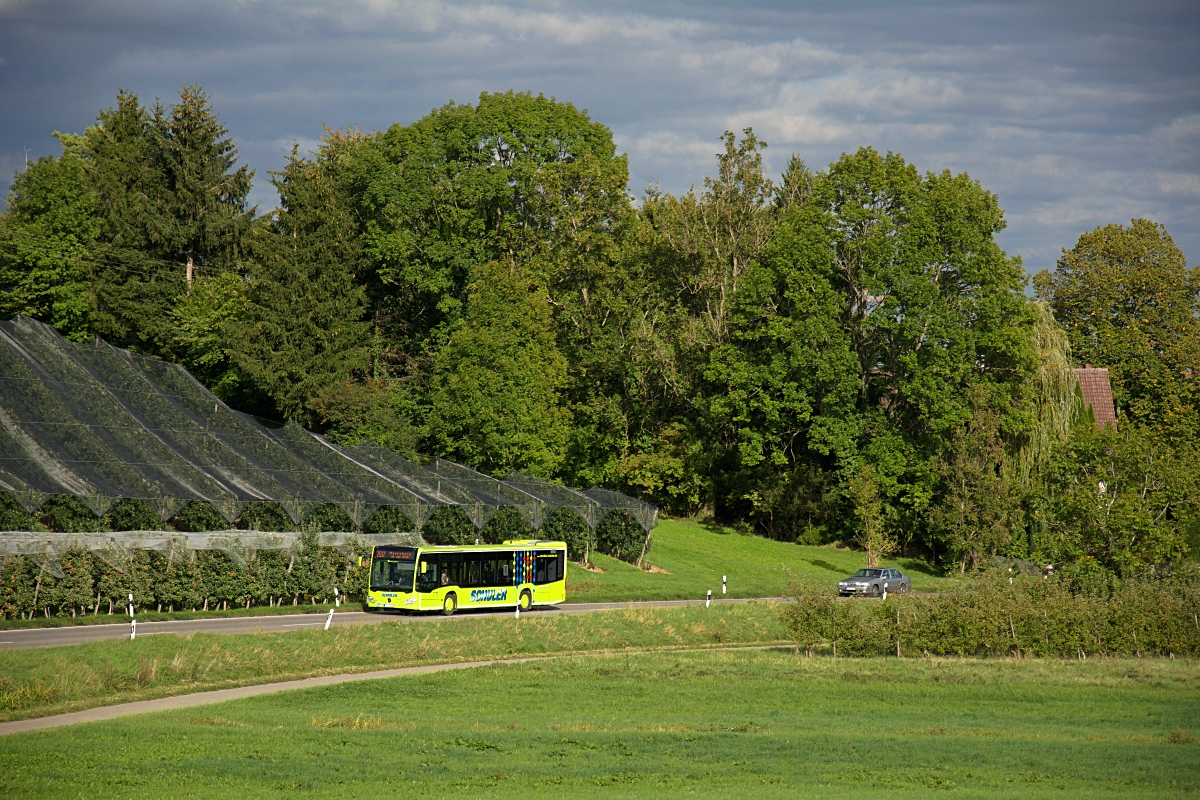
[{"x": 868, "y": 573}]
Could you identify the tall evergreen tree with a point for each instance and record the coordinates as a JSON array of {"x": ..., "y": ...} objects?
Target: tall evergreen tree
[
  {"x": 171, "y": 199},
  {"x": 135, "y": 285},
  {"x": 303, "y": 328},
  {"x": 203, "y": 192}
]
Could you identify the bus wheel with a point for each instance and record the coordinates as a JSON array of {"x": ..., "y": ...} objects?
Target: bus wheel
[
  {"x": 449, "y": 605},
  {"x": 526, "y": 601}
]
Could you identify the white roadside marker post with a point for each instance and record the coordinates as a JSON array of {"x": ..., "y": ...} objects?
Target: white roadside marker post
[
  {"x": 132, "y": 620},
  {"x": 329, "y": 619},
  {"x": 708, "y": 598},
  {"x": 131, "y": 604},
  {"x": 337, "y": 601},
  {"x": 722, "y": 584},
  {"x": 885, "y": 590}
]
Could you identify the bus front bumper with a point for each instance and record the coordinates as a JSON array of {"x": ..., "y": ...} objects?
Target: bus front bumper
[{"x": 393, "y": 600}]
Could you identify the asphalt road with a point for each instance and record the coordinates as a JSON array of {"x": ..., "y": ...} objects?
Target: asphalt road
[{"x": 78, "y": 634}]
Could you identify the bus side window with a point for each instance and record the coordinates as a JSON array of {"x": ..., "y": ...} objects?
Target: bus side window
[
  {"x": 472, "y": 571},
  {"x": 505, "y": 569},
  {"x": 427, "y": 575},
  {"x": 488, "y": 574},
  {"x": 546, "y": 570},
  {"x": 562, "y": 564}
]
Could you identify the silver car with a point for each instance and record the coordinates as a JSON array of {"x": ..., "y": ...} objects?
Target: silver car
[{"x": 875, "y": 582}]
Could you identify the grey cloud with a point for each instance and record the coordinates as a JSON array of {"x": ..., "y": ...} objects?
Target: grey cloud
[{"x": 1076, "y": 115}]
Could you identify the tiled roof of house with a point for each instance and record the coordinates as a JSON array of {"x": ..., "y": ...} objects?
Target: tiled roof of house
[{"x": 1097, "y": 393}]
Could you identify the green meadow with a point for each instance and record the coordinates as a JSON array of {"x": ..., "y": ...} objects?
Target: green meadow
[
  {"x": 727, "y": 724},
  {"x": 40, "y": 681},
  {"x": 694, "y": 556}
]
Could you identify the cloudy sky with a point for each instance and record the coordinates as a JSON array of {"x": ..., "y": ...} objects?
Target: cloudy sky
[{"x": 1075, "y": 114}]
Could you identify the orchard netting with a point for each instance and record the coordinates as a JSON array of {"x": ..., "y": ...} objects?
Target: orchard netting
[{"x": 105, "y": 426}]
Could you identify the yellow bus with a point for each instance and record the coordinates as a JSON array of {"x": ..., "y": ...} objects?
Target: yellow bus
[{"x": 517, "y": 573}]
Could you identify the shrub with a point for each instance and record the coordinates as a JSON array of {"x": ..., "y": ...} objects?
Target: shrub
[
  {"x": 130, "y": 514},
  {"x": 620, "y": 536},
  {"x": 265, "y": 516},
  {"x": 199, "y": 516},
  {"x": 67, "y": 514},
  {"x": 566, "y": 525},
  {"x": 389, "y": 519},
  {"x": 328, "y": 517},
  {"x": 989, "y": 617},
  {"x": 12, "y": 516},
  {"x": 505, "y": 525},
  {"x": 449, "y": 525}
]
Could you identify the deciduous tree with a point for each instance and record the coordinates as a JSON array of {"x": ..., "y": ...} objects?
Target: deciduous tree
[{"x": 1129, "y": 302}]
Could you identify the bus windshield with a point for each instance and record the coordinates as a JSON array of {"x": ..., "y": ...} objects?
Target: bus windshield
[{"x": 393, "y": 568}]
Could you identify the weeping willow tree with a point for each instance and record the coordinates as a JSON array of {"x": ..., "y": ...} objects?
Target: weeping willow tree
[{"x": 1059, "y": 401}]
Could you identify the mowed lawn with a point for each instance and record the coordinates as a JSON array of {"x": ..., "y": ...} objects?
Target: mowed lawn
[
  {"x": 716, "y": 724},
  {"x": 696, "y": 555}
]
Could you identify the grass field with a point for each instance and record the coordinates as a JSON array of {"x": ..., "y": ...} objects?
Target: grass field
[
  {"x": 695, "y": 556},
  {"x": 718, "y": 724},
  {"x": 40, "y": 681}
]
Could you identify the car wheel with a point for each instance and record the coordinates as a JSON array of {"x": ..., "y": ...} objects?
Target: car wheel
[
  {"x": 875, "y": 590},
  {"x": 903, "y": 588},
  {"x": 449, "y": 605},
  {"x": 526, "y": 601}
]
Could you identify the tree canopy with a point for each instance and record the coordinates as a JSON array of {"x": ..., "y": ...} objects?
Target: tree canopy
[{"x": 835, "y": 354}]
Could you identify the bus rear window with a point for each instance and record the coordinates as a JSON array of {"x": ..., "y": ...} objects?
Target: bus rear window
[{"x": 550, "y": 566}]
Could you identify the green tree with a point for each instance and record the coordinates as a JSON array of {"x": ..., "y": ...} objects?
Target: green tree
[
  {"x": 171, "y": 201},
  {"x": 46, "y": 238},
  {"x": 202, "y": 322},
  {"x": 878, "y": 318},
  {"x": 1129, "y": 302},
  {"x": 203, "y": 193},
  {"x": 105, "y": 238},
  {"x": 496, "y": 384},
  {"x": 303, "y": 327},
  {"x": 701, "y": 249},
  {"x": 719, "y": 233},
  {"x": 1125, "y": 497},
  {"x": 516, "y": 176},
  {"x": 872, "y": 535},
  {"x": 975, "y": 509}
]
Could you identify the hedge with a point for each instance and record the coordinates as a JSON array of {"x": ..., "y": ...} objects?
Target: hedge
[
  {"x": 100, "y": 582},
  {"x": 990, "y": 617}
]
